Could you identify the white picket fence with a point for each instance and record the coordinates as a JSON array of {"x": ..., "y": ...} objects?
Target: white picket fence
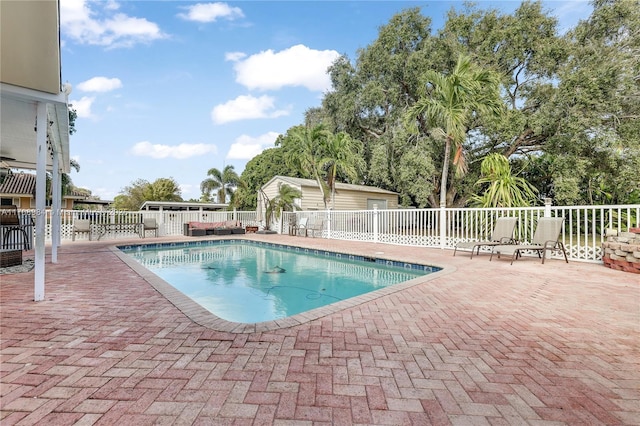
[{"x": 582, "y": 234}]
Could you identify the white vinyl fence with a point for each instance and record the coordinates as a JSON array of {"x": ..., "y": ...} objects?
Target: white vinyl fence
[
  {"x": 582, "y": 234},
  {"x": 169, "y": 222}
]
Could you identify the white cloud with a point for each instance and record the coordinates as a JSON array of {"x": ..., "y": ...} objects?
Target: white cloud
[
  {"x": 100, "y": 84},
  {"x": 189, "y": 190},
  {"x": 83, "y": 106},
  {"x": 97, "y": 23},
  {"x": 180, "y": 152},
  {"x": 112, "y": 5},
  {"x": 210, "y": 12},
  {"x": 246, "y": 107},
  {"x": 234, "y": 56},
  {"x": 246, "y": 147},
  {"x": 295, "y": 66}
]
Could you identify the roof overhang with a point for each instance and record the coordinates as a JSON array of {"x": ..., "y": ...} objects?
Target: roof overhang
[
  {"x": 30, "y": 73},
  {"x": 182, "y": 205},
  {"x": 97, "y": 202},
  {"x": 18, "y": 116}
]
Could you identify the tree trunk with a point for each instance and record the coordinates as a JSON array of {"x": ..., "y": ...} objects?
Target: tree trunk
[{"x": 445, "y": 172}]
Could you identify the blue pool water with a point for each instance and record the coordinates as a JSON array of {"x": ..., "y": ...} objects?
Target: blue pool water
[{"x": 246, "y": 282}]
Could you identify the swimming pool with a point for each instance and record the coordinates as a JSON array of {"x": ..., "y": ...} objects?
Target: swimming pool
[{"x": 239, "y": 280}]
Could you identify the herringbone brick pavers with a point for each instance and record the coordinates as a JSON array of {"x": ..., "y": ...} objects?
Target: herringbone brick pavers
[{"x": 479, "y": 343}]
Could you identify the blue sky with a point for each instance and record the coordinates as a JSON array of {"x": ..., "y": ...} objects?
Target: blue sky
[{"x": 174, "y": 88}]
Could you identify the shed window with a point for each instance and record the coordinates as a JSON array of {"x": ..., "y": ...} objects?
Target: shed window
[{"x": 376, "y": 203}]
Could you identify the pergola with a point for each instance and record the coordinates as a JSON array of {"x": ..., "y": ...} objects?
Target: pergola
[{"x": 34, "y": 118}]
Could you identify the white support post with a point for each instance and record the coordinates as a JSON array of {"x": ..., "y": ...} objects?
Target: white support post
[
  {"x": 547, "y": 207},
  {"x": 56, "y": 189},
  {"x": 41, "y": 187},
  {"x": 329, "y": 224},
  {"x": 375, "y": 223}
]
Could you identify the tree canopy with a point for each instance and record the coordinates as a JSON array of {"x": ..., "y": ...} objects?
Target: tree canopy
[
  {"x": 133, "y": 196},
  {"x": 448, "y": 108},
  {"x": 569, "y": 120}
]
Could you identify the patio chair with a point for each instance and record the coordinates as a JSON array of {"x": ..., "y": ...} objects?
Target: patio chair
[
  {"x": 10, "y": 224},
  {"x": 301, "y": 226},
  {"x": 502, "y": 234},
  {"x": 315, "y": 225},
  {"x": 546, "y": 237},
  {"x": 81, "y": 226},
  {"x": 149, "y": 224}
]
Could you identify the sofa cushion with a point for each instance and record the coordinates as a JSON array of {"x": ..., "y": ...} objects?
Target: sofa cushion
[{"x": 215, "y": 225}]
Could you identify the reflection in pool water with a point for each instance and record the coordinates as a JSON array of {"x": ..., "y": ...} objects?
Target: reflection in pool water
[{"x": 251, "y": 283}]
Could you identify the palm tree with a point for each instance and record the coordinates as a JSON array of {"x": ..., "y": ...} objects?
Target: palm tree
[
  {"x": 222, "y": 181},
  {"x": 304, "y": 154},
  {"x": 284, "y": 201},
  {"x": 451, "y": 103},
  {"x": 341, "y": 154},
  {"x": 505, "y": 189}
]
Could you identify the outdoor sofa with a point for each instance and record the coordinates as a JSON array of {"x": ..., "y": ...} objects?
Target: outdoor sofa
[{"x": 200, "y": 229}]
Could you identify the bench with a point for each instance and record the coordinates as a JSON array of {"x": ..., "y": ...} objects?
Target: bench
[
  {"x": 200, "y": 229},
  {"x": 136, "y": 228}
]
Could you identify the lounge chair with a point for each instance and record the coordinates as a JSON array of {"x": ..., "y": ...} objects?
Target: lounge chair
[
  {"x": 546, "y": 237},
  {"x": 81, "y": 226},
  {"x": 502, "y": 234},
  {"x": 149, "y": 224}
]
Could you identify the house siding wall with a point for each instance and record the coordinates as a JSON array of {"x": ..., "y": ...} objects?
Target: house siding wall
[
  {"x": 28, "y": 203},
  {"x": 357, "y": 200},
  {"x": 312, "y": 198},
  {"x": 25, "y": 203},
  {"x": 345, "y": 199},
  {"x": 271, "y": 190}
]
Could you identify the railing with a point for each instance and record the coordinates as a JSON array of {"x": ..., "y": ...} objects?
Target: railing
[
  {"x": 582, "y": 233},
  {"x": 583, "y": 230},
  {"x": 169, "y": 222}
]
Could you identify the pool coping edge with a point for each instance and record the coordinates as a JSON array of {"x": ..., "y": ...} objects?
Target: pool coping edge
[{"x": 198, "y": 314}]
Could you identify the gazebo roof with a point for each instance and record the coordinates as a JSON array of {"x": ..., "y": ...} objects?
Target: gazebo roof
[{"x": 19, "y": 184}]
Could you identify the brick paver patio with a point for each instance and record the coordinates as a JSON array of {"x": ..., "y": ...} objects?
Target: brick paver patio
[{"x": 481, "y": 343}]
